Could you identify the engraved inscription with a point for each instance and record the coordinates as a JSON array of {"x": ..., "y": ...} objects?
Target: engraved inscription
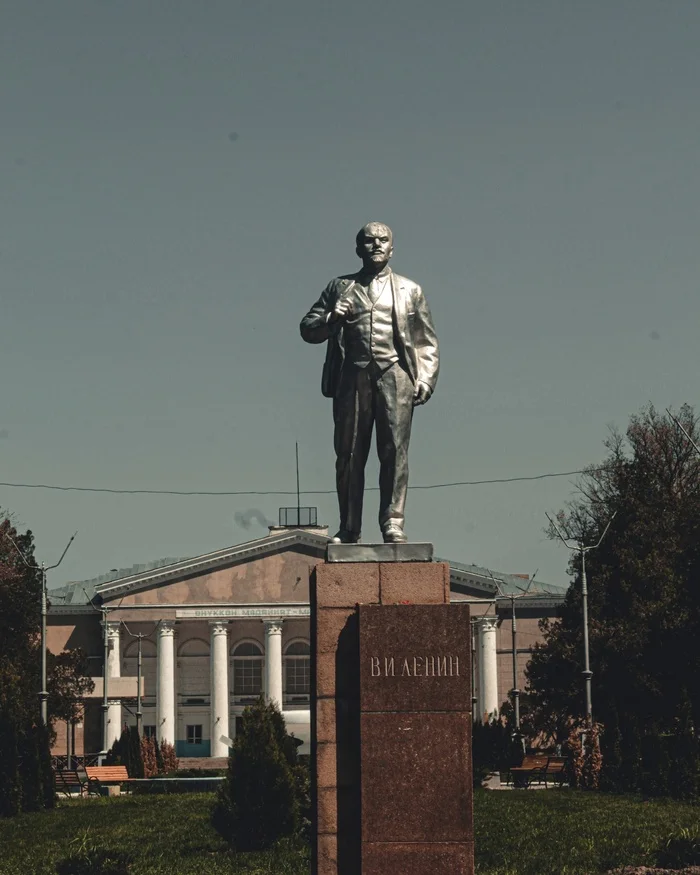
[{"x": 415, "y": 667}]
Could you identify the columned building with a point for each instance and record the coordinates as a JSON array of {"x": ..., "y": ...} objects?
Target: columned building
[{"x": 219, "y": 630}]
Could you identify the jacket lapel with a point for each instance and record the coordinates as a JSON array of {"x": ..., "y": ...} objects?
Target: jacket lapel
[
  {"x": 399, "y": 297},
  {"x": 402, "y": 333}
]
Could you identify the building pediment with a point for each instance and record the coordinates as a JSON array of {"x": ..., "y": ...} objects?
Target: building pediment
[{"x": 271, "y": 569}]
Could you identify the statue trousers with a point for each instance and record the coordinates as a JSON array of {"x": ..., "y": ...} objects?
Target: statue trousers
[{"x": 368, "y": 397}]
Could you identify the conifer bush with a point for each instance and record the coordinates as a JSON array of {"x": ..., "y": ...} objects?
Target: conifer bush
[
  {"x": 148, "y": 756},
  {"x": 166, "y": 758},
  {"x": 495, "y": 747},
  {"x": 258, "y": 803},
  {"x": 126, "y": 751}
]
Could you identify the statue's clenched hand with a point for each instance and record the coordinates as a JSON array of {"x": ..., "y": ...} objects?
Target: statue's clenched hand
[
  {"x": 421, "y": 393},
  {"x": 342, "y": 310}
]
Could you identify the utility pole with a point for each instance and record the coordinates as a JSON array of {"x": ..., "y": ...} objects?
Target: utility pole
[
  {"x": 684, "y": 430},
  {"x": 583, "y": 550},
  {"x": 42, "y": 569},
  {"x": 298, "y": 492},
  {"x": 512, "y": 597},
  {"x": 139, "y": 665}
]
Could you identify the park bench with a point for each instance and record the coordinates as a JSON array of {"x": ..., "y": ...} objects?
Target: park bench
[
  {"x": 555, "y": 771},
  {"x": 539, "y": 769},
  {"x": 105, "y": 776},
  {"x": 70, "y": 780},
  {"x": 533, "y": 768}
]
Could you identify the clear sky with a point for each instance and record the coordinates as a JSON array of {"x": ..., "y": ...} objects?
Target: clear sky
[{"x": 179, "y": 180}]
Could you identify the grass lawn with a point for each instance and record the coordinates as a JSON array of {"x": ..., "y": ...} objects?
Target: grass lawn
[
  {"x": 165, "y": 835},
  {"x": 517, "y": 833},
  {"x": 568, "y": 832}
]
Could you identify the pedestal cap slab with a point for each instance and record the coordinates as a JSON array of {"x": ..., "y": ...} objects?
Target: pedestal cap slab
[{"x": 420, "y": 552}]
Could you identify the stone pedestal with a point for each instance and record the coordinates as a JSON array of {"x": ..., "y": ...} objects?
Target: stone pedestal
[{"x": 391, "y": 717}]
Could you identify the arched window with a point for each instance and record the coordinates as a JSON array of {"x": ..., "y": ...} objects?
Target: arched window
[
  {"x": 247, "y": 672},
  {"x": 193, "y": 663},
  {"x": 297, "y": 671}
]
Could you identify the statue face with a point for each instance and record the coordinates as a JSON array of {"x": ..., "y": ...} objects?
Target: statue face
[{"x": 376, "y": 246}]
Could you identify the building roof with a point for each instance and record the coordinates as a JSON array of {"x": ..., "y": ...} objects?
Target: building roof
[
  {"x": 469, "y": 579},
  {"x": 508, "y": 584},
  {"x": 80, "y": 592}
]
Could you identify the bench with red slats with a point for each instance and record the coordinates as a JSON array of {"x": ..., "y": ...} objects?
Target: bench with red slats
[{"x": 105, "y": 776}]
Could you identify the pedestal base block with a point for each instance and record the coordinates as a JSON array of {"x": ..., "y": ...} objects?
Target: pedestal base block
[
  {"x": 391, "y": 715},
  {"x": 418, "y": 858},
  {"x": 416, "y": 778}
]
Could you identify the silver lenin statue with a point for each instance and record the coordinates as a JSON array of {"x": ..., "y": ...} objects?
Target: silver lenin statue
[{"x": 381, "y": 361}]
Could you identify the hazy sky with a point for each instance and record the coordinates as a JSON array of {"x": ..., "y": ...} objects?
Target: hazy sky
[{"x": 179, "y": 180}]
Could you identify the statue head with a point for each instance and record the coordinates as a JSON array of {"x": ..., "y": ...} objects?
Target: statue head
[{"x": 374, "y": 244}]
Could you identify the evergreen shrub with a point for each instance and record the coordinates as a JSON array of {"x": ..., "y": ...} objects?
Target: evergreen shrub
[
  {"x": 166, "y": 758},
  {"x": 126, "y": 751},
  {"x": 495, "y": 748},
  {"x": 259, "y": 802}
]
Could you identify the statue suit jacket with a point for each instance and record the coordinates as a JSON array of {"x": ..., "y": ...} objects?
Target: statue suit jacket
[{"x": 414, "y": 333}]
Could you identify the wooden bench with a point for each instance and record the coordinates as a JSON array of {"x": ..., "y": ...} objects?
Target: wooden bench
[
  {"x": 539, "y": 769},
  {"x": 70, "y": 780},
  {"x": 556, "y": 770},
  {"x": 532, "y": 768},
  {"x": 105, "y": 776}
]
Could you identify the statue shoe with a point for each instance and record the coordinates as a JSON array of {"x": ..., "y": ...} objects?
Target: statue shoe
[
  {"x": 345, "y": 537},
  {"x": 394, "y": 534}
]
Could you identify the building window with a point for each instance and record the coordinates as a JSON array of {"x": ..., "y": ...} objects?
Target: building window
[
  {"x": 149, "y": 731},
  {"x": 247, "y": 672},
  {"x": 297, "y": 671},
  {"x": 194, "y": 734}
]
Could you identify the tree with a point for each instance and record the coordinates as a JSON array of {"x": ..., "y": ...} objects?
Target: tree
[
  {"x": 127, "y": 751},
  {"x": 68, "y": 684},
  {"x": 258, "y": 802},
  {"x": 644, "y": 589},
  {"x": 26, "y": 780}
]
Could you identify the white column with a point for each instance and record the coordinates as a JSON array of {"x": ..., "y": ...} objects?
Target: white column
[
  {"x": 488, "y": 669},
  {"x": 273, "y": 661},
  {"x": 165, "y": 688},
  {"x": 114, "y": 670},
  {"x": 219, "y": 687}
]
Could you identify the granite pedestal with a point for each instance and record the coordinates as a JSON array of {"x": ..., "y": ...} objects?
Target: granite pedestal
[{"x": 391, "y": 716}]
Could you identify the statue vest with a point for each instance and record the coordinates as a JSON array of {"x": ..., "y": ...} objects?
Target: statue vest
[{"x": 369, "y": 332}]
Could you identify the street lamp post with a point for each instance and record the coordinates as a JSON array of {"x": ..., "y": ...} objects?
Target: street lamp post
[
  {"x": 139, "y": 670},
  {"x": 587, "y": 673},
  {"x": 582, "y": 549},
  {"x": 516, "y": 691},
  {"x": 42, "y": 569}
]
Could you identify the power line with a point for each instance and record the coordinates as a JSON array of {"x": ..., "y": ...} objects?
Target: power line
[{"x": 284, "y": 491}]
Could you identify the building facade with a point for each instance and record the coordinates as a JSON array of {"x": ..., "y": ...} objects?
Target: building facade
[{"x": 217, "y": 631}]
